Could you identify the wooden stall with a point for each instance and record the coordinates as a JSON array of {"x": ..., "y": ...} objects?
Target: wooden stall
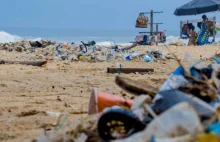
[{"x": 151, "y": 23}]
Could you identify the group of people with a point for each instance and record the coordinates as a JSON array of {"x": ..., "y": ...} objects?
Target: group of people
[{"x": 202, "y": 37}]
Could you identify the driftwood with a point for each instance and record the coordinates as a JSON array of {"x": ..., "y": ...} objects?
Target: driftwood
[
  {"x": 135, "y": 87},
  {"x": 129, "y": 70},
  {"x": 132, "y": 46},
  {"x": 33, "y": 63}
]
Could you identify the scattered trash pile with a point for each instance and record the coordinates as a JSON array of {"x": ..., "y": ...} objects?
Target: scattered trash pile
[
  {"x": 186, "y": 108},
  {"x": 47, "y": 50},
  {"x": 155, "y": 55},
  {"x": 148, "y": 56},
  {"x": 24, "y": 45}
]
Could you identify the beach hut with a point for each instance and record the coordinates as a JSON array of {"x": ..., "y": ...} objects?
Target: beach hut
[{"x": 152, "y": 37}]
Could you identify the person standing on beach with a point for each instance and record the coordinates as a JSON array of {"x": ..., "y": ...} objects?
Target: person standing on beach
[
  {"x": 193, "y": 36},
  {"x": 203, "y": 36}
]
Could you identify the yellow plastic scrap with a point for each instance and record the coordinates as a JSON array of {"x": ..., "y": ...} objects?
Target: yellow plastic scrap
[
  {"x": 65, "y": 44},
  {"x": 210, "y": 137},
  {"x": 82, "y": 58}
]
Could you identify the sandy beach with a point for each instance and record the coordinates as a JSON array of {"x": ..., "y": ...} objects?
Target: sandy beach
[
  {"x": 66, "y": 88},
  {"x": 101, "y": 71}
]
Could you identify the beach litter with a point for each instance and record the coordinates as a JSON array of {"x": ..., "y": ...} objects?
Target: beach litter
[
  {"x": 87, "y": 52},
  {"x": 186, "y": 108}
]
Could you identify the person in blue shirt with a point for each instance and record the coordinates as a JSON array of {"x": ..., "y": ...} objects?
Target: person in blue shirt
[{"x": 203, "y": 37}]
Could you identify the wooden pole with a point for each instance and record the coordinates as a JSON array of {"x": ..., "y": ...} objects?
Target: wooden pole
[
  {"x": 181, "y": 29},
  {"x": 214, "y": 29},
  {"x": 153, "y": 12},
  {"x": 157, "y": 28},
  {"x": 151, "y": 22}
]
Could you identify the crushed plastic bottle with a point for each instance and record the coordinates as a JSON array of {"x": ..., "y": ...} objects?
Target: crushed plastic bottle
[
  {"x": 217, "y": 60},
  {"x": 194, "y": 62},
  {"x": 148, "y": 57},
  {"x": 128, "y": 58},
  {"x": 175, "y": 80}
]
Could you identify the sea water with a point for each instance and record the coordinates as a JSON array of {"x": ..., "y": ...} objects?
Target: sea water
[{"x": 102, "y": 37}]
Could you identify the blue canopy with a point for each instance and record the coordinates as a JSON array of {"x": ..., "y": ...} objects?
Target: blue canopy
[{"x": 198, "y": 7}]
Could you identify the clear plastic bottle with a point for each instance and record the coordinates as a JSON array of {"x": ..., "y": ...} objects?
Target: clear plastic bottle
[
  {"x": 174, "y": 81},
  {"x": 148, "y": 57},
  {"x": 193, "y": 62}
]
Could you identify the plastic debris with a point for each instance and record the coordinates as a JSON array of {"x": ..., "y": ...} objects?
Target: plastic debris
[
  {"x": 180, "y": 120},
  {"x": 87, "y": 52},
  {"x": 214, "y": 128},
  {"x": 50, "y": 113},
  {"x": 148, "y": 57},
  {"x": 210, "y": 137},
  {"x": 186, "y": 108},
  {"x": 170, "y": 98},
  {"x": 100, "y": 100},
  {"x": 118, "y": 123}
]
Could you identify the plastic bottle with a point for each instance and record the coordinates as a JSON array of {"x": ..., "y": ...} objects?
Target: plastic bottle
[
  {"x": 194, "y": 62},
  {"x": 148, "y": 57},
  {"x": 174, "y": 81},
  {"x": 128, "y": 58}
]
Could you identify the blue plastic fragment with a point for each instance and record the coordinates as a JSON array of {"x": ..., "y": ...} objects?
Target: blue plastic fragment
[
  {"x": 214, "y": 128},
  {"x": 217, "y": 60},
  {"x": 58, "y": 51},
  {"x": 214, "y": 104},
  {"x": 128, "y": 58},
  {"x": 178, "y": 71},
  {"x": 152, "y": 139}
]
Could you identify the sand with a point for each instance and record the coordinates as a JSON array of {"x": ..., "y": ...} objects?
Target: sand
[{"x": 27, "y": 88}]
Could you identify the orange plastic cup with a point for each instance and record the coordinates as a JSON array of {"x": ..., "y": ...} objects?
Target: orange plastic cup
[{"x": 100, "y": 100}]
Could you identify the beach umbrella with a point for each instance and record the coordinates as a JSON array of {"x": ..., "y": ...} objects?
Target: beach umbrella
[{"x": 198, "y": 7}]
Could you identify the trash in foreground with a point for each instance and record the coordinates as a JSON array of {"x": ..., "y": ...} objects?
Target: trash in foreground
[{"x": 184, "y": 109}]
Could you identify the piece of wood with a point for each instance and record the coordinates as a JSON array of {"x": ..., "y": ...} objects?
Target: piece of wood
[
  {"x": 153, "y": 12},
  {"x": 157, "y": 29},
  {"x": 129, "y": 70},
  {"x": 132, "y": 46},
  {"x": 33, "y": 63},
  {"x": 135, "y": 87}
]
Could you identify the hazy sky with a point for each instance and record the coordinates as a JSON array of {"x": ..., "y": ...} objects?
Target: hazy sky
[{"x": 86, "y": 14}]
